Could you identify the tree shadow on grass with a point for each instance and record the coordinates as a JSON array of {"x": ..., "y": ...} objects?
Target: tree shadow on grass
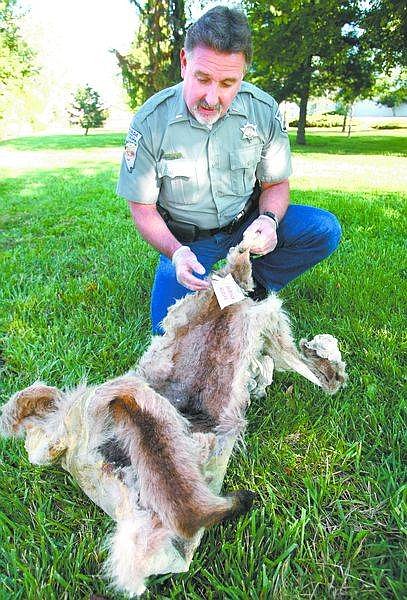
[
  {"x": 63, "y": 183},
  {"x": 76, "y": 297},
  {"x": 90, "y": 190},
  {"x": 330, "y": 143}
]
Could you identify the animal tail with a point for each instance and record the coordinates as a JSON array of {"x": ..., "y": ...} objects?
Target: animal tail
[{"x": 166, "y": 459}]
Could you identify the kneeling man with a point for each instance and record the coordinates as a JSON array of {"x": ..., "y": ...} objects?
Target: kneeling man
[{"x": 207, "y": 162}]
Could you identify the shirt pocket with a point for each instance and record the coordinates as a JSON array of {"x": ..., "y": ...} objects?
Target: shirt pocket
[
  {"x": 178, "y": 180},
  {"x": 243, "y": 163}
]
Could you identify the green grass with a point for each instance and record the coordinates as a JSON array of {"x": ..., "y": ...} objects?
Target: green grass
[
  {"x": 389, "y": 144},
  {"x": 76, "y": 278},
  {"x": 64, "y": 142}
]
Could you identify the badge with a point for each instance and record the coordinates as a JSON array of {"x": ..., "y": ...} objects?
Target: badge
[
  {"x": 249, "y": 131},
  {"x": 130, "y": 152},
  {"x": 130, "y": 148}
]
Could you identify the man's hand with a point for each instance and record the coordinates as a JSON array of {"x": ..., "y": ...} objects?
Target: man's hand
[
  {"x": 261, "y": 235},
  {"x": 185, "y": 262}
]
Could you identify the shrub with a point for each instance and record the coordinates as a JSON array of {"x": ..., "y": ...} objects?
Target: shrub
[
  {"x": 326, "y": 120},
  {"x": 389, "y": 126}
]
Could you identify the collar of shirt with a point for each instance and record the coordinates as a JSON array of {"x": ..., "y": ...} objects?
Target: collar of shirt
[{"x": 181, "y": 112}]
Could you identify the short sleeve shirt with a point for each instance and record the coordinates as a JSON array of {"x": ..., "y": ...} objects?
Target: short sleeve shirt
[{"x": 203, "y": 175}]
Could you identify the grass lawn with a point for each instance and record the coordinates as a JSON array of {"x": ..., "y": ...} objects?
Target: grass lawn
[{"x": 75, "y": 284}]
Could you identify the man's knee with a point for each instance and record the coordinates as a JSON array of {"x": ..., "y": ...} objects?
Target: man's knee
[
  {"x": 329, "y": 232},
  {"x": 166, "y": 290}
]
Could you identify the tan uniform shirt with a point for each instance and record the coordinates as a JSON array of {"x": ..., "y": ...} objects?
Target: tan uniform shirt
[{"x": 203, "y": 175}]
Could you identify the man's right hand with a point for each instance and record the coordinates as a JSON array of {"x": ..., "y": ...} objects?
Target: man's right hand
[{"x": 185, "y": 263}]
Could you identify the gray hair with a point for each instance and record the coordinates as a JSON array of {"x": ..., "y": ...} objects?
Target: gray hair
[{"x": 222, "y": 29}]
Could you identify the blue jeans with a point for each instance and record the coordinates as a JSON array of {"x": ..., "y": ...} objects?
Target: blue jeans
[{"x": 306, "y": 236}]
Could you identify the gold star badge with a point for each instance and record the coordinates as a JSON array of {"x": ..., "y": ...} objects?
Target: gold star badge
[{"x": 249, "y": 131}]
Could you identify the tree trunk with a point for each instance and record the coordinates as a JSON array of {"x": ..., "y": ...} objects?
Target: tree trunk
[
  {"x": 303, "y": 103},
  {"x": 284, "y": 115},
  {"x": 303, "y": 117},
  {"x": 344, "y": 121},
  {"x": 350, "y": 119},
  {"x": 178, "y": 24},
  {"x": 86, "y": 131}
]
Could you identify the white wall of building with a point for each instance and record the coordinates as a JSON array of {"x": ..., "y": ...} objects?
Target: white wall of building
[{"x": 368, "y": 108}]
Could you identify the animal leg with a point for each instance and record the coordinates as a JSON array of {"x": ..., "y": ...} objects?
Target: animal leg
[
  {"x": 139, "y": 547},
  {"x": 320, "y": 361},
  {"x": 322, "y": 356},
  {"x": 29, "y": 406}
]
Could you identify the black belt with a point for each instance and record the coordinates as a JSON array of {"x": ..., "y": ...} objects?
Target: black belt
[
  {"x": 188, "y": 232},
  {"x": 232, "y": 226}
]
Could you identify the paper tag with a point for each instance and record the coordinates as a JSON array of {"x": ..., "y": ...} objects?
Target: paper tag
[{"x": 226, "y": 290}]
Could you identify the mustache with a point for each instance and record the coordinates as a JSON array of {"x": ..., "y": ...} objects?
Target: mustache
[{"x": 204, "y": 104}]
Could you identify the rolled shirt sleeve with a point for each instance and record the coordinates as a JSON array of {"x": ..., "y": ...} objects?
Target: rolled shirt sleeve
[
  {"x": 275, "y": 161},
  {"x": 138, "y": 180}
]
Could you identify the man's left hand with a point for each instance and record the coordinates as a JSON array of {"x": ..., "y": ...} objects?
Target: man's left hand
[{"x": 261, "y": 235}]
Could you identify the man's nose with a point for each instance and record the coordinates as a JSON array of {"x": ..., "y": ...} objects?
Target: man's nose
[{"x": 212, "y": 95}]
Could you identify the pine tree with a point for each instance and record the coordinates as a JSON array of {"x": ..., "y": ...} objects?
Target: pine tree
[
  {"x": 87, "y": 110},
  {"x": 153, "y": 61}
]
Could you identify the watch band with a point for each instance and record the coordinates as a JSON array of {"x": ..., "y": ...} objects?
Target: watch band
[{"x": 270, "y": 214}]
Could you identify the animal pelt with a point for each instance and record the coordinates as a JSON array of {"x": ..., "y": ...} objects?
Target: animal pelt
[{"x": 151, "y": 447}]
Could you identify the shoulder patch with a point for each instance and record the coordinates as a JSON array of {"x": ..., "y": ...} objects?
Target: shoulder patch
[
  {"x": 151, "y": 104},
  {"x": 257, "y": 93},
  {"x": 130, "y": 148},
  {"x": 278, "y": 117},
  {"x": 133, "y": 136}
]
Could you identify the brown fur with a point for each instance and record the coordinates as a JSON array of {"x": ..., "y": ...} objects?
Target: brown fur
[
  {"x": 214, "y": 362},
  {"x": 240, "y": 267},
  {"x": 35, "y": 403},
  {"x": 185, "y": 496},
  {"x": 128, "y": 445},
  {"x": 332, "y": 374}
]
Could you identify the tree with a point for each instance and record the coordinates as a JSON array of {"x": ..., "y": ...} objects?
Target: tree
[
  {"x": 303, "y": 48},
  {"x": 391, "y": 90},
  {"x": 385, "y": 26},
  {"x": 16, "y": 57},
  {"x": 381, "y": 32},
  {"x": 355, "y": 79},
  {"x": 153, "y": 61},
  {"x": 17, "y": 66},
  {"x": 86, "y": 109}
]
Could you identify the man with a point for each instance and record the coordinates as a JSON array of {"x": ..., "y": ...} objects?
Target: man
[{"x": 193, "y": 155}]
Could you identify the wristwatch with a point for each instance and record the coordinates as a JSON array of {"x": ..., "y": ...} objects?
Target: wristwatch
[{"x": 270, "y": 214}]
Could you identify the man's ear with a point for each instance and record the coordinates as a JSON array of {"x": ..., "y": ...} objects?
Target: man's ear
[{"x": 183, "y": 61}]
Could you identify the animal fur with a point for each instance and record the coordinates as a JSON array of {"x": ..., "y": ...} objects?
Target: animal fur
[{"x": 151, "y": 447}]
